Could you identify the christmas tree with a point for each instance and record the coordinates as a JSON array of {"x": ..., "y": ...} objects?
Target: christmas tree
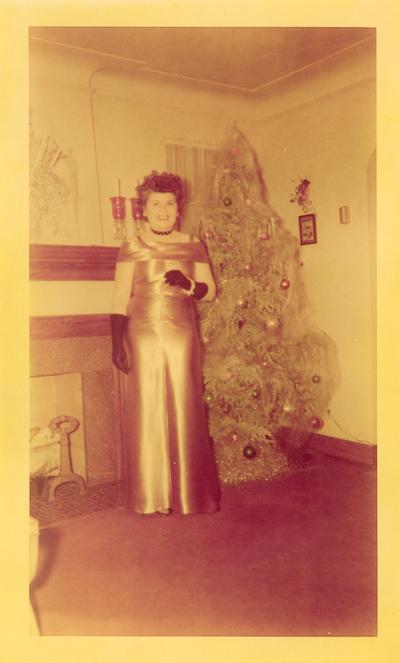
[{"x": 268, "y": 373}]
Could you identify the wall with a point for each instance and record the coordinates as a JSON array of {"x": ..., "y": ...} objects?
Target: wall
[
  {"x": 318, "y": 124},
  {"x": 328, "y": 135},
  {"x": 112, "y": 124}
]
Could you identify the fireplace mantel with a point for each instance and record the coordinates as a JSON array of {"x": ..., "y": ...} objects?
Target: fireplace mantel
[{"x": 53, "y": 262}]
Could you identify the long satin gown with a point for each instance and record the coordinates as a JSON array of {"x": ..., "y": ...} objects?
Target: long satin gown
[{"x": 169, "y": 462}]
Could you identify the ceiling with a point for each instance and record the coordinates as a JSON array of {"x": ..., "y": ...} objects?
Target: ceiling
[{"x": 246, "y": 59}]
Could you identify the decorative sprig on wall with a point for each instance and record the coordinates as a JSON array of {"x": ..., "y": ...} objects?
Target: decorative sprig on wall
[{"x": 301, "y": 195}]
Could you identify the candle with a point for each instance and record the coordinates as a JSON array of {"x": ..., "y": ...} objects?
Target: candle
[{"x": 119, "y": 186}]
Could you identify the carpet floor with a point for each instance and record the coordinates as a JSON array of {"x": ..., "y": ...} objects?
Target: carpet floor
[{"x": 291, "y": 557}]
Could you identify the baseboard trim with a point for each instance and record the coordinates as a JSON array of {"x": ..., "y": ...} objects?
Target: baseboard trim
[{"x": 334, "y": 446}]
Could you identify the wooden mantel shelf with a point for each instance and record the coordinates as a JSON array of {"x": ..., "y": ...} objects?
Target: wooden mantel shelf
[{"x": 53, "y": 262}]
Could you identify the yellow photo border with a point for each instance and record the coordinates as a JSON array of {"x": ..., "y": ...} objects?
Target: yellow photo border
[{"x": 15, "y": 19}]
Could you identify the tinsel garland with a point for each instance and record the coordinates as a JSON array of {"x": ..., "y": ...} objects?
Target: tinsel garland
[{"x": 269, "y": 374}]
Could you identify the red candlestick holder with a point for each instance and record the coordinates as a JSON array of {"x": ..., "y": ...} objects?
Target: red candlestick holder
[
  {"x": 118, "y": 212},
  {"x": 136, "y": 210}
]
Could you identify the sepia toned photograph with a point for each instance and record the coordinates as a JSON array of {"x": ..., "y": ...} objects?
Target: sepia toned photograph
[{"x": 202, "y": 380}]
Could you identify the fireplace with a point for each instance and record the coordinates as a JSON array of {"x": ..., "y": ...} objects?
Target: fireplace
[{"x": 72, "y": 374}]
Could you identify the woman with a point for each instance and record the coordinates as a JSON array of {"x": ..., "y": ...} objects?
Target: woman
[{"x": 168, "y": 458}]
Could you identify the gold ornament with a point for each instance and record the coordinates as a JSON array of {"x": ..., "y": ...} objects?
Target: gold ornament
[
  {"x": 288, "y": 407},
  {"x": 272, "y": 323}
]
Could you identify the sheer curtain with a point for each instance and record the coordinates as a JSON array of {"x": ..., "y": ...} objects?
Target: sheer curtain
[{"x": 194, "y": 164}]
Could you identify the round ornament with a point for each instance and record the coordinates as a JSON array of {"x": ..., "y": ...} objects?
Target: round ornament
[
  {"x": 316, "y": 378},
  {"x": 287, "y": 407},
  {"x": 264, "y": 236},
  {"x": 248, "y": 202},
  {"x": 247, "y": 268},
  {"x": 234, "y": 437},
  {"x": 249, "y": 451},
  {"x": 316, "y": 422},
  {"x": 227, "y": 201},
  {"x": 272, "y": 323},
  {"x": 240, "y": 323},
  {"x": 255, "y": 393},
  {"x": 285, "y": 284}
]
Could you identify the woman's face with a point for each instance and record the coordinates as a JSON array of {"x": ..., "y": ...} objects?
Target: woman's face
[{"x": 161, "y": 210}]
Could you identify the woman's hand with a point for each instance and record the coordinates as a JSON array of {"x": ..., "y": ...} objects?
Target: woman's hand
[
  {"x": 194, "y": 288},
  {"x": 118, "y": 327},
  {"x": 176, "y": 277},
  {"x": 120, "y": 359}
]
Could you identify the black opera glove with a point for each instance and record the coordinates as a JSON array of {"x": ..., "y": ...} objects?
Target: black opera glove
[
  {"x": 118, "y": 327},
  {"x": 194, "y": 288}
]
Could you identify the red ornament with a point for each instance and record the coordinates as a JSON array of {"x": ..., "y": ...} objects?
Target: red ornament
[
  {"x": 240, "y": 323},
  {"x": 316, "y": 378},
  {"x": 316, "y": 422},
  {"x": 247, "y": 268},
  {"x": 249, "y": 452},
  {"x": 234, "y": 437},
  {"x": 264, "y": 236},
  {"x": 285, "y": 284}
]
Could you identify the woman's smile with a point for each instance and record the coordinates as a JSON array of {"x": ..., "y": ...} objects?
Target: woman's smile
[{"x": 161, "y": 210}]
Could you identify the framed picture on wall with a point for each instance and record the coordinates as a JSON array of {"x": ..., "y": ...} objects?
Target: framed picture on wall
[{"x": 308, "y": 229}]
